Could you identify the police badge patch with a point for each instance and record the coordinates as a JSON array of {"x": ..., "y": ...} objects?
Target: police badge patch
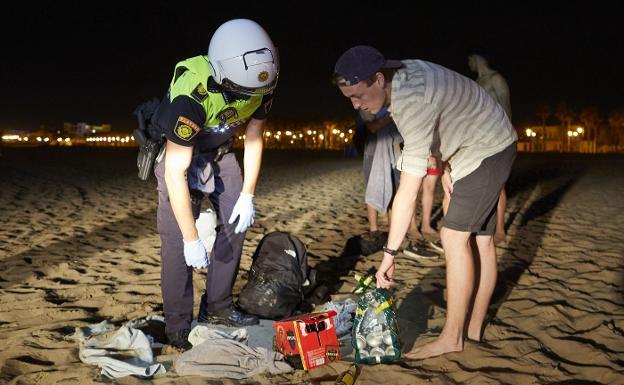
[
  {"x": 263, "y": 76},
  {"x": 185, "y": 129},
  {"x": 199, "y": 93}
]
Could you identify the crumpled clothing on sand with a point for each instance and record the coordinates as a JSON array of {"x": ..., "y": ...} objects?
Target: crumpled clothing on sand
[
  {"x": 219, "y": 354},
  {"x": 345, "y": 310},
  {"x": 123, "y": 352},
  {"x": 201, "y": 333}
]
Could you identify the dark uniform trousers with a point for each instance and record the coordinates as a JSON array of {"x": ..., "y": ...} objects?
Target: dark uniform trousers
[{"x": 176, "y": 276}]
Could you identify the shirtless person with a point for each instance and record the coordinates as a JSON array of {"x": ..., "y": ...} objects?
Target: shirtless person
[{"x": 497, "y": 87}]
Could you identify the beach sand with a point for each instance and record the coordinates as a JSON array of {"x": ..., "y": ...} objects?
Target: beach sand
[{"x": 78, "y": 245}]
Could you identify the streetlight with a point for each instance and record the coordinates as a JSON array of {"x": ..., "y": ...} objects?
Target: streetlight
[
  {"x": 580, "y": 130},
  {"x": 530, "y": 134}
]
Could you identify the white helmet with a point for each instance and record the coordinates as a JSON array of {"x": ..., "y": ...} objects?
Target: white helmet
[{"x": 243, "y": 58}]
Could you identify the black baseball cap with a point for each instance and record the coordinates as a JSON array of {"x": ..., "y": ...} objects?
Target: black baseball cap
[{"x": 359, "y": 63}]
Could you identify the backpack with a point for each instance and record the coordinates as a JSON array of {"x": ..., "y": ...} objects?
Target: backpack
[{"x": 279, "y": 270}]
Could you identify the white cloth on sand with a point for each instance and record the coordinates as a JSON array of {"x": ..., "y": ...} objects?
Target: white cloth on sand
[
  {"x": 123, "y": 352},
  {"x": 201, "y": 333}
]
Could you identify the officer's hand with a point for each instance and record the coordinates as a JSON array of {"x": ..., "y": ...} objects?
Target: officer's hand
[
  {"x": 244, "y": 209},
  {"x": 195, "y": 254}
]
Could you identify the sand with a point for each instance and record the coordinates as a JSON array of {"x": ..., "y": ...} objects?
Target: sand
[{"x": 78, "y": 245}]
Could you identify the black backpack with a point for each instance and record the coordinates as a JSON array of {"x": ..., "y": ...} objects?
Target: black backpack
[{"x": 279, "y": 269}]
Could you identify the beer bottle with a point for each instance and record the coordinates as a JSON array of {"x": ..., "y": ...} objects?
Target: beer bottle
[{"x": 349, "y": 376}]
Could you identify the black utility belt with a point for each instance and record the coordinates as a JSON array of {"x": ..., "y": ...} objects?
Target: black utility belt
[{"x": 217, "y": 151}]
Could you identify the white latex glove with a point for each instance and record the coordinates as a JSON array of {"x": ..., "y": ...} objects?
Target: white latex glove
[
  {"x": 195, "y": 254},
  {"x": 244, "y": 209}
]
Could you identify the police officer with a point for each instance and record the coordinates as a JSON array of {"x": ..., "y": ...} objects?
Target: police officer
[{"x": 209, "y": 99}]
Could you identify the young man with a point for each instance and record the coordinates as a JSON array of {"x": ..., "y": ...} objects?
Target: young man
[
  {"x": 440, "y": 112},
  {"x": 209, "y": 99}
]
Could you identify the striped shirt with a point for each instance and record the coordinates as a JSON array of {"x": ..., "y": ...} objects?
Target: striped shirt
[{"x": 442, "y": 113}]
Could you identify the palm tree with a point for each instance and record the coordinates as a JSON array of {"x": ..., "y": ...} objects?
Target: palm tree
[
  {"x": 616, "y": 125},
  {"x": 590, "y": 117},
  {"x": 543, "y": 112},
  {"x": 565, "y": 115}
]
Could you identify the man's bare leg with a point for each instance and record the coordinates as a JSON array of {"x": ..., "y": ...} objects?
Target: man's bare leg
[
  {"x": 487, "y": 282},
  {"x": 428, "y": 192},
  {"x": 500, "y": 236},
  {"x": 459, "y": 284},
  {"x": 412, "y": 232},
  {"x": 372, "y": 218}
]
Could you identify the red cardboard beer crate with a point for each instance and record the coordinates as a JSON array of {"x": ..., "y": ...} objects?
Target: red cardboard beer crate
[{"x": 308, "y": 338}]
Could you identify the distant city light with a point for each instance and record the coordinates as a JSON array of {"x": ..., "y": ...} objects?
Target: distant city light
[{"x": 328, "y": 136}]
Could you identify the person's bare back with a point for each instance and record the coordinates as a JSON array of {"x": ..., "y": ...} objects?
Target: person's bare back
[{"x": 495, "y": 85}]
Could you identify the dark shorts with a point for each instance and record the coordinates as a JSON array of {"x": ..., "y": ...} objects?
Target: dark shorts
[{"x": 473, "y": 202}]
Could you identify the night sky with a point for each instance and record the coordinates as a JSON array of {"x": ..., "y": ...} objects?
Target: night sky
[{"x": 96, "y": 64}]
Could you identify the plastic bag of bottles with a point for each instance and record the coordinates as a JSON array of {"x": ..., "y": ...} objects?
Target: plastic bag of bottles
[{"x": 375, "y": 335}]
